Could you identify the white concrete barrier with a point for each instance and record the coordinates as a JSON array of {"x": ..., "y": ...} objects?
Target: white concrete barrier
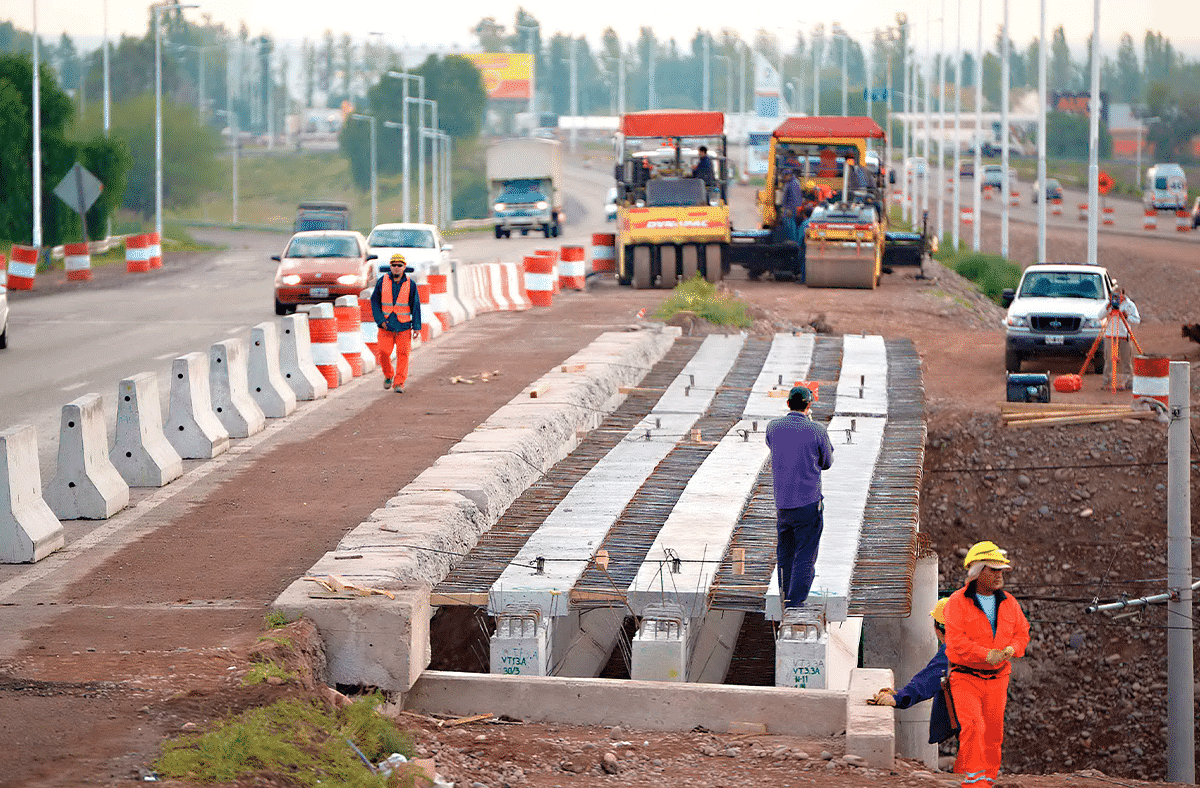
[
  {"x": 87, "y": 486},
  {"x": 29, "y": 531},
  {"x": 192, "y": 427},
  {"x": 229, "y": 389},
  {"x": 268, "y": 388},
  {"x": 459, "y": 299},
  {"x": 141, "y": 453},
  {"x": 296, "y": 362}
]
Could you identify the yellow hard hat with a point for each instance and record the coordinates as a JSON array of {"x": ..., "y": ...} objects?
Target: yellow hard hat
[
  {"x": 398, "y": 258},
  {"x": 810, "y": 185},
  {"x": 989, "y": 553},
  {"x": 938, "y": 613}
]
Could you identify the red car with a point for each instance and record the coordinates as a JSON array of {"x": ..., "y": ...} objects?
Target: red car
[{"x": 322, "y": 265}]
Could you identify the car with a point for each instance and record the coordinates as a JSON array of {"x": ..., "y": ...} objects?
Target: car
[
  {"x": 993, "y": 177},
  {"x": 1056, "y": 309},
  {"x": 966, "y": 168},
  {"x": 1053, "y": 190},
  {"x": 610, "y": 205},
  {"x": 1196, "y": 213},
  {"x": 421, "y": 244},
  {"x": 321, "y": 265},
  {"x": 3, "y": 317}
]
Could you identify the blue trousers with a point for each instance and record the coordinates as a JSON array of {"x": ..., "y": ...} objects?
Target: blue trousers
[{"x": 799, "y": 537}]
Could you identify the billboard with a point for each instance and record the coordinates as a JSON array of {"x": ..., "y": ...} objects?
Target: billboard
[{"x": 506, "y": 75}]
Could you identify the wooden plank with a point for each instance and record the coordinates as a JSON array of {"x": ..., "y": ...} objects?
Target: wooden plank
[
  {"x": 1082, "y": 419},
  {"x": 1037, "y": 406},
  {"x": 1059, "y": 413},
  {"x": 573, "y": 368},
  {"x": 474, "y": 599},
  {"x": 465, "y": 720}
]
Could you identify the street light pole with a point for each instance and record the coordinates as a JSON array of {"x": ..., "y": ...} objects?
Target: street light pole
[
  {"x": 1041, "y": 137},
  {"x": 976, "y": 180},
  {"x": 107, "y": 92},
  {"x": 955, "y": 211},
  {"x": 37, "y": 139},
  {"x": 158, "y": 154},
  {"x": 374, "y": 168},
  {"x": 405, "y": 154},
  {"x": 1005, "y": 187},
  {"x": 941, "y": 137}
]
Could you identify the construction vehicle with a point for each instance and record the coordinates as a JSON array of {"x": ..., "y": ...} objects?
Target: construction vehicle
[
  {"x": 671, "y": 226},
  {"x": 846, "y": 237}
]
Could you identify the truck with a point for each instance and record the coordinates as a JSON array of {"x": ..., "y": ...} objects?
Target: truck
[
  {"x": 1166, "y": 188},
  {"x": 672, "y": 217},
  {"x": 321, "y": 215},
  {"x": 525, "y": 186},
  {"x": 846, "y": 238}
]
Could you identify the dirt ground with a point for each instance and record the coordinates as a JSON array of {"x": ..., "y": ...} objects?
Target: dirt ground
[{"x": 156, "y": 636}]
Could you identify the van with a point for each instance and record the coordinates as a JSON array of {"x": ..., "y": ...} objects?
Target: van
[{"x": 1166, "y": 188}]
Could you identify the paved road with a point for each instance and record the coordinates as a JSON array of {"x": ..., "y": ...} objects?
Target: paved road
[{"x": 67, "y": 344}]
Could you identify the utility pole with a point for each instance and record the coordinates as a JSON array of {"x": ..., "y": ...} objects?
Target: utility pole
[
  {"x": 1094, "y": 145},
  {"x": 1005, "y": 186},
  {"x": 574, "y": 92},
  {"x": 977, "y": 180},
  {"x": 1041, "y": 137},
  {"x": 1181, "y": 706},
  {"x": 705, "y": 87}
]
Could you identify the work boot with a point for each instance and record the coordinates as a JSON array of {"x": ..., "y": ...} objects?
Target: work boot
[
  {"x": 399, "y": 389},
  {"x": 387, "y": 383}
]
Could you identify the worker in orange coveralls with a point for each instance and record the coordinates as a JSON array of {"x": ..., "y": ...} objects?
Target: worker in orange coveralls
[{"x": 985, "y": 629}]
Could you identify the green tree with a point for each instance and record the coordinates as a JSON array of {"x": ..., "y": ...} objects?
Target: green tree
[
  {"x": 1067, "y": 136},
  {"x": 1128, "y": 87},
  {"x": 1061, "y": 72},
  {"x": 490, "y": 35}
]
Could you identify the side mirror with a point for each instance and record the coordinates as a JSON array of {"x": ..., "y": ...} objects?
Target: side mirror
[
  {"x": 372, "y": 257},
  {"x": 1006, "y": 296},
  {"x": 447, "y": 247},
  {"x": 276, "y": 258}
]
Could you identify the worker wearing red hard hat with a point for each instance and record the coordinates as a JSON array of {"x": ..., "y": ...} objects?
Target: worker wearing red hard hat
[{"x": 985, "y": 629}]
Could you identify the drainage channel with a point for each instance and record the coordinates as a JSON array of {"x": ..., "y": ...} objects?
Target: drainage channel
[{"x": 501, "y": 544}]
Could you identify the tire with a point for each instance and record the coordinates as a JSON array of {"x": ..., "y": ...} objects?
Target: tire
[
  {"x": 282, "y": 308},
  {"x": 4, "y": 338},
  {"x": 546, "y": 230},
  {"x": 715, "y": 266},
  {"x": 499, "y": 232},
  {"x": 668, "y": 255},
  {"x": 689, "y": 256},
  {"x": 642, "y": 279},
  {"x": 1012, "y": 360},
  {"x": 523, "y": 231}
]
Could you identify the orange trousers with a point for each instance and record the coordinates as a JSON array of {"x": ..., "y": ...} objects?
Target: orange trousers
[
  {"x": 980, "y": 707},
  {"x": 401, "y": 341}
]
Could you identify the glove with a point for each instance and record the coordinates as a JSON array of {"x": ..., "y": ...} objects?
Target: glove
[
  {"x": 1009, "y": 651},
  {"x": 996, "y": 656},
  {"x": 883, "y": 697}
]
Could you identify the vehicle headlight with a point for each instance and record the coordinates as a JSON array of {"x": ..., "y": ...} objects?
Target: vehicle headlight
[
  {"x": 542, "y": 205},
  {"x": 291, "y": 279},
  {"x": 349, "y": 279},
  {"x": 1092, "y": 322},
  {"x": 499, "y": 206},
  {"x": 1018, "y": 321}
]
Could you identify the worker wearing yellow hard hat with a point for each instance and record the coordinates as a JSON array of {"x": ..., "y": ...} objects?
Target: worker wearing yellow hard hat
[
  {"x": 927, "y": 683},
  {"x": 985, "y": 629}
]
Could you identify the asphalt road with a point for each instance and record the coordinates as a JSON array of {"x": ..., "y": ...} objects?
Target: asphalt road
[{"x": 67, "y": 344}]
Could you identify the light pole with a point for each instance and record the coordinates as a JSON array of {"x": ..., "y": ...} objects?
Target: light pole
[
  {"x": 1041, "y": 137},
  {"x": 941, "y": 138},
  {"x": 37, "y": 140},
  {"x": 532, "y": 30},
  {"x": 374, "y": 168},
  {"x": 158, "y": 175},
  {"x": 406, "y": 155},
  {"x": 1005, "y": 188},
  {"x": 955, "y": 211},
  {"x": 421, "y": 104},
  {"x": 107, "y": 91},
  {"x": 977, "y": 180}
]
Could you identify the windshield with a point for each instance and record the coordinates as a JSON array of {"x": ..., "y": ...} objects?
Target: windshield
[
  {"x": 676, "y": 193},
  {"x": 406, "y": 238},
  {"x": 322, "y": 246},
  {"x": 522, "y": 191},
  {"x": 1061, "y": 284},
  {"x": 322, "y": 222}
]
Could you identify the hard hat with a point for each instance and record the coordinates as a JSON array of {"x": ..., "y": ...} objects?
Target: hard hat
[
  {"x": 938, "y": 613},
  {"x": 398, "y": 258},
  {"x": 989, "y": 553},
  {"x": 810, "y": 185}
]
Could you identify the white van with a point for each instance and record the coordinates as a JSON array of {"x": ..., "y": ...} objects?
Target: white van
[{"x": 1166, "y": 188}]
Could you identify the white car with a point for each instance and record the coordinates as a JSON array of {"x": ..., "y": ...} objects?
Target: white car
[
  {"x": 421, "y": 244},
  {"x": 3, "y": 317}
]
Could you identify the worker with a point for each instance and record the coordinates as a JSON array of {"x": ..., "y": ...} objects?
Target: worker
[
  {"x": 927, "y": 683},
  {"x": 1115, "y": 327},
  {"x": 800, "y": 450},
  {"x": 985, "y": 630},
  {"x": 793, "y": 198},
  {"x": 396, "y": 309},
  {"x": 811, "y": 195},
  {"x": 704, "y": 168}
]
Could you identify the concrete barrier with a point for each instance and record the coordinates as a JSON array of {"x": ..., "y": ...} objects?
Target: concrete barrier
[
  {"x": 870, "y": 731},
  {"x": 296, "y": 361},
  {"x": 513, "y": 287},
  {"x": 87, "y": 486},
  {"x": 229, "y": 389},
  {"x": 29, "y": 531},
  {"x": 459, "y": 300},
  {"x": 142, "y": 454},
  {"x": 268, "y": 388},
  {"x": 192, "y": 427},
  {"x": 439, "y": 296}
]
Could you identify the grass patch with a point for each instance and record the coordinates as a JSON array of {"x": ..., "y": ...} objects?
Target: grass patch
[
  {"x": 276, "y": 619},
  {"x": 701, "y": 298},
  {"x": 261, "y": 671},
  {"x": 303, "y": 742},
  {"x": 991, "y": 273}
]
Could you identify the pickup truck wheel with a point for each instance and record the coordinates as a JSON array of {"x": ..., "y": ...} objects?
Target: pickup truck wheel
[
  {"x": 1012, "y": 360},
  {"x": 499, "y": 232}
]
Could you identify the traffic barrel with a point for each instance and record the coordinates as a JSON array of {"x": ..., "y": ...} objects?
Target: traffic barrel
[
  {"x": 323, "y": 336},
  {"x": 77, "y": 260},
  {"x": 1108, "y": 213},
  {"x": 349, "y": 324},
  {"x": 968, "y": 215},
  {"x": 3, "y": 270},
  {"x": 439, "y": 298},
  {"x": 1014, "y": 198},
  {"x": 155, "y": 250},
  {"x": 366, "y": 319},
  {"x": 987, "y": 192},
  {"x": 137, "y": 254},
  {"x": 1150, "y": 219},
  {"x": 1056, "y": 206},
  {"x": 1083, "y": 211},
  {"x": 1183, "y": 221},
  {"x": 22, "y": 268},
  {"x": 572, "y": 272},
  {"x": 604, "y": 252},
  {"x": 539, "y": 275},
  {"x": 1151, "y": 380},
  {"x": 426, "y": 312},
  {"x": 555, "y": 286}
]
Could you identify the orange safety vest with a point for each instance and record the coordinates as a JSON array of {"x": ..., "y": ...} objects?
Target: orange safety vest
[
  {"x": 396, "y": 306},
  {"x": 969, "y": 633}
]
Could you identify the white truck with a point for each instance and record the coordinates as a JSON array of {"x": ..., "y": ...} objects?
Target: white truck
[
  {"x": 1166, "y": 188},
  {"x": 525, "y": 186}
]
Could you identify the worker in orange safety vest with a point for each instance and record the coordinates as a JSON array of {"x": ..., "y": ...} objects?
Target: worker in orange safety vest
[
  {"x": 985, "y": 630},
  {"x": 396, "y": 309}
]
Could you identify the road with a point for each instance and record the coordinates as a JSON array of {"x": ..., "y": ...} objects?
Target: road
[{"x": 67, "y": 344}]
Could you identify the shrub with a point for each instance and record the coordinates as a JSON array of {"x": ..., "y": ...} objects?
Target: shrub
[
  {"x": 990, "y": 272},
  {"x": 701, "y": 297}
]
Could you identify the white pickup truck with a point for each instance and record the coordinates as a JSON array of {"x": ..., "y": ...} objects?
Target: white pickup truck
[{"x": 1057, "y": 309}]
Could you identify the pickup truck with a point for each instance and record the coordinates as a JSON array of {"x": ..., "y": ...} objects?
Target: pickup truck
[{"x": 1056, "y": 309}]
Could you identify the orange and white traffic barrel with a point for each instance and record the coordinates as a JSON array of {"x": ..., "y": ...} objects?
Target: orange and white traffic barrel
[
  {"x": 1056, "y": 206},
  {"x": 556, "y": 286},
  {"x": 323, "y": 336},
  {"x": 77, "y": 260},
  {"x": 1150, "y": 219},
  {"x": 427, "y": 318},
  {"x": 572, "y": 271},
  {"x": 968, "y": 215},
  {"x": 539, "y": 276},
  {"x": 3, "y": 270},
  {"x": 987, "y": 192},
  {"x": 137, "y": 254},
  {"x": 1151, "y": 380},
  {"x": 349, "y": 324},
  {"x": 1108, "y": 212},
  {"x": 1014, "y": 198},
  {"x": 1083, "y": 211},
  {"x": 22, "y": 268},
  {"x": 604, "y": 252},
  {"x": 1183, "y": 221},
  {"x": 439, "y": 298},
  {"x": 155, "y": 250}
]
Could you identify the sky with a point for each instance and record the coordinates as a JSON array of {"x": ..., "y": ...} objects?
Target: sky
[{"x": 422, "y": 24}]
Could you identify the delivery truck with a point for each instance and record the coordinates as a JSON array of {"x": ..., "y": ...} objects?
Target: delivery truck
[{"x": 525, "y": 186}]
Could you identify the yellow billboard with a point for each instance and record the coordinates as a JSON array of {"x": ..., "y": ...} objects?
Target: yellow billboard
[{"x": 506, "y": 75}]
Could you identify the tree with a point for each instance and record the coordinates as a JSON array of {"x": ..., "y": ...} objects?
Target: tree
[
  {"x": 1128, "y": 85},
  {"x": 325, "y": 62},
  {"x": 1032, "y": 66},
  {"x": 308, "y": 57},
  {"x": 1067, "y": 136},
  {"x": 490, "y": 35},
  {"x": 1061, "y": 72}
]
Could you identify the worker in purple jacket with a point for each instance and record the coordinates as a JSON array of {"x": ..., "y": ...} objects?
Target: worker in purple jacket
[
  {"x": 800, "y": 450},
  {"x": 927, "y": 683}
]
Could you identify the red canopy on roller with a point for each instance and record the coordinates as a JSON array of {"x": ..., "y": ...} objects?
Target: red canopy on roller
[
  {"x": 674, "y": 123},
  {"x": 822, "y": 126}
]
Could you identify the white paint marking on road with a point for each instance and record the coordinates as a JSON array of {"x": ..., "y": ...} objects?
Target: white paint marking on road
[
  {"x": 237, "y": 330},
  {"x": 73, "y": 386},
  {"x": 166, "y": 356}
]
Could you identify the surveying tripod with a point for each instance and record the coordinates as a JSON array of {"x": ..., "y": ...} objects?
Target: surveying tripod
[{"x": 1114, "y": 314}]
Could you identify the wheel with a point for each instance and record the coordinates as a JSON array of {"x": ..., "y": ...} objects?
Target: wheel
[
  {"x": 282, "y": 308},
  {"x": 689, "y": 256},
  {"x": 546, "y": 230},
  {"x": 1012, "y": 360},
  {"x": 523, "y": 231},
  {"x": 556, "y": 230},
  {"x": 499, "y": 232},
  {"x": 4, "y": 338},
  {"x": 668, "y": 255},
  {"x": 641, "y": 268},
  {"x": 714, "y": 263}
]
